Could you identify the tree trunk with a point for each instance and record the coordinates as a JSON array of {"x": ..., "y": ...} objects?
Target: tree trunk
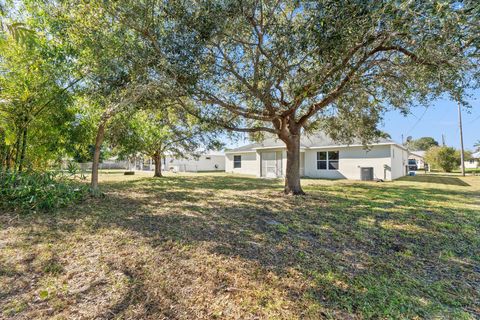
[
  {"x": 292, "y": 177},
  {"x": 158, "y": 164},
  {"x": 8, "y": 158},
  {"x": 17, "y": 153},
  {"x": 23, "y": 151},
  {"x": 96, "y": 155},
  {"x": 3, "y": 152}
]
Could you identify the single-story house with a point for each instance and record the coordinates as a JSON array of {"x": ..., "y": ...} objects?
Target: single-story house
[
  {"x": 212, "y": 161},
  {"x": 417, "y": 158},
  {"x": 107, "y": 164},
  {"x": 473, "y": 162},
  {"x": 321, "y": 157}
]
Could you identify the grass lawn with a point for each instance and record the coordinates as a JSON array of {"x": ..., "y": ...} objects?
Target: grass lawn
[{"x": 208, "y": 246}]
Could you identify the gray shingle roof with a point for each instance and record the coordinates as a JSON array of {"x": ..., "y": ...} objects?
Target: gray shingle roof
[{"x": 311, "y": 141}]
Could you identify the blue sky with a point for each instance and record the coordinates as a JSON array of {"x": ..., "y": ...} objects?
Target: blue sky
[{"x": 441, "y": 117}]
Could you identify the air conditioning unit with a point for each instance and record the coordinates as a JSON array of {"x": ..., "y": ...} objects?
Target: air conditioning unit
[{"x": 366, "y": 174}]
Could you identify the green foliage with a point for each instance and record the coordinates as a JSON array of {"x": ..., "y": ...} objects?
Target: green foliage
[
  {"x": 282, "y": 67},
  {"x": 423, "y": 143},
  {"x": 38, "y": 191},
  {"x": 445, "y": 158},
  {"x": 43, "y": 294},
  {"x": 17, "y": 30},
  {"x": 73, "y": 168},
  {"x": 321, "y": 64},
  {"x": 161, "y": 131},
  {"x": 36, "y": 94}
]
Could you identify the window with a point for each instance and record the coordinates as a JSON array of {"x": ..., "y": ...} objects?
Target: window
[
  {"x": 322, "y": 160},
  {"x": 332, "y": 160},
  {"x": 327, "y": 160},
  {"x": 237, "y": 161}
]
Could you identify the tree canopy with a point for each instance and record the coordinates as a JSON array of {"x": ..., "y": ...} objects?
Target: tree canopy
[
  {"x": 423, "y": 143},
  {"x": 36, "y": 99},
  {"x": 286, "y": 68}
]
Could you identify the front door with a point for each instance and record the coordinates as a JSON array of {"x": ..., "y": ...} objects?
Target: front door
[{"x": 270, "y": 165}]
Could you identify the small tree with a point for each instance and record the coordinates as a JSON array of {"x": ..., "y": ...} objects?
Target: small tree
[
  {"x": 36, "y": 91},
  {"x": 158, "y": 133},
  {"x": 445, "y": 158}
]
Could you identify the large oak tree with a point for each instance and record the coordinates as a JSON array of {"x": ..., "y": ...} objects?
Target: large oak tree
[{"x": 291, "y": 67}]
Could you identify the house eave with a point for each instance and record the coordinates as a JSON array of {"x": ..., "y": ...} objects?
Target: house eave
[
  {"x": 276, "y": 147},
  {"x": 355, "y": 145},
  {"x": 240, "y": 151},
  {"x": 302, "y": 149}
]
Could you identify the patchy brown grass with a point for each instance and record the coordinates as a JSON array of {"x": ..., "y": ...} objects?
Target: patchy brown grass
[{"x": 206, "y": 246}]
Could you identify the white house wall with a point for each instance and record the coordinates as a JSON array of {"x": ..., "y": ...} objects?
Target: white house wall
[
  {"x": 388, "y": 162},
  {"x": 203, "y": 163},
  {"x": 399, "y": 162},
  {"x": 250, "y": 163},
  {"x": 351, "y": 159},
  {"x": 471, "y": 164}
]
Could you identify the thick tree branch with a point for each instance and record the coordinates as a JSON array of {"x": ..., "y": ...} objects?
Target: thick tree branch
[{"x": 220, "y": 123}]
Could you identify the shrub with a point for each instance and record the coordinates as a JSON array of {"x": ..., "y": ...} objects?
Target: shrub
[
  {"x": 445, "y": 158},
  {"x": 38, "y": 191}
]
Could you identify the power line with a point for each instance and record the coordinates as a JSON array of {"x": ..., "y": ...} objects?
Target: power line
[
  {"x": 417, "y": 122},
  {"x": 472, "y": 121}
]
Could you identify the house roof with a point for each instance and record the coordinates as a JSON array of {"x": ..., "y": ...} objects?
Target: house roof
[
  {"x": 319, "y": 140},
  {"x": 476, "y": 155},
  {"x": 198, "y": 152},
  {"x": 418, "y": 153}
]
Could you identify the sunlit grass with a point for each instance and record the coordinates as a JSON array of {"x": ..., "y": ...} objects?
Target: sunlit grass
[{"x": 193, "y": 246}]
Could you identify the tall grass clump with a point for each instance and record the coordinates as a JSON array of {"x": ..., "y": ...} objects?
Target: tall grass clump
[{"x": 38, "y": 191}]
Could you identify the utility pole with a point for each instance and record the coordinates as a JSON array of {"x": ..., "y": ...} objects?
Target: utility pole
[{"x": 462, "y": 151}]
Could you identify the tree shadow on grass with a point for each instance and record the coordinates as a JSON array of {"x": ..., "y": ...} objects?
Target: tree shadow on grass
[
  {"x": 196, "y": 182},
  {"x": 361, "y": 250},
  {"x": 329, "y": 238},
  {"x": 448, "y": 180}
]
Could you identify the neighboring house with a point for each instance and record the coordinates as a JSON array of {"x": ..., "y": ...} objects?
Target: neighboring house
[
  {"x": 321, "y": 157},
  {"x": 112, "y": 163},
  {"x": 212, "y": 161},
  {"x": 417, "y": 158},
  {"x": 474, "y": 161}
]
